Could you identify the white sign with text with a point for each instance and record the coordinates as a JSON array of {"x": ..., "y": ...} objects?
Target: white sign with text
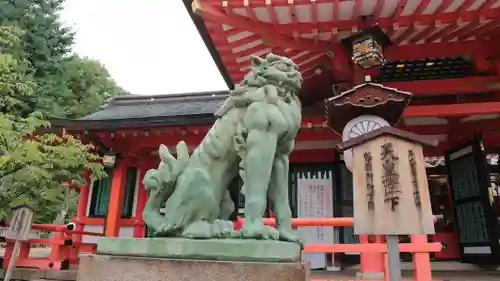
[{"x": 315, "y": 200}]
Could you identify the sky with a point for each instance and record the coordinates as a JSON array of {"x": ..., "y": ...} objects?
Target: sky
[{"x": 150, "y": 47}]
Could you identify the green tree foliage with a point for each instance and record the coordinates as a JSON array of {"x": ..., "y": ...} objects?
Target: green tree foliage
[
  {"x": 34, "y": 167},
  {"x": 46, "y": 46},
  {"x": 39, "y": 77},
  {"x": 16, "y": 85},
  {"x": 90, "y": 84}
]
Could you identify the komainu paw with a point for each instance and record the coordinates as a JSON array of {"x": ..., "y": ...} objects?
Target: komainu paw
[{"x": 259, "y": 232}]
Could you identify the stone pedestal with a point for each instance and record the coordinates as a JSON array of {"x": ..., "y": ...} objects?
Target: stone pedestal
[
  {"x": 180, "y": 259},
  {"x": 115, "y": 268}
]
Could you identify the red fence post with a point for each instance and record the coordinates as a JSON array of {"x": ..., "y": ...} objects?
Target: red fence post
[
  {"x": 9, "y": 247},
  {"x": 372, "y": 264},
  {"x": 58, "y": 251},
  {"x": 421, "y": 261}
]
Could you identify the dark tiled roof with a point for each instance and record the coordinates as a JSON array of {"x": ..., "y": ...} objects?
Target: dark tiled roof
[
  {"x": 129, "y": 107},
  {"x": 149, "y": 111}
]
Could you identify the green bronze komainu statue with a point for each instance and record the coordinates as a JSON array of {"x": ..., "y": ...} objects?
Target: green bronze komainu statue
[{"x": 253, "y": 135}]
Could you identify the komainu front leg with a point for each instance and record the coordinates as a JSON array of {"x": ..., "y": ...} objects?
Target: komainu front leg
[
  {"x": 261, "y": 147},
  {"x": 278, "y": 194}
]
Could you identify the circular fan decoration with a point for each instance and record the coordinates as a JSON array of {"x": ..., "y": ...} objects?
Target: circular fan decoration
[{"x": 357, "y": 127}]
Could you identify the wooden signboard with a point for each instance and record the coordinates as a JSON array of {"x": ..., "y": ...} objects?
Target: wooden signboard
[
  {"x": 20, "y": 223},
  {"x": 19, "y": 229},
  {"x": 391, "y": 195}
]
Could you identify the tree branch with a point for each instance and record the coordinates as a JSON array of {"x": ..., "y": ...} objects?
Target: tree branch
[{"x": 17, "y": 169}]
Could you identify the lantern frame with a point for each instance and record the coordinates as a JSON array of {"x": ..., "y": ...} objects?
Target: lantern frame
[{"x": 366, "y": 47}]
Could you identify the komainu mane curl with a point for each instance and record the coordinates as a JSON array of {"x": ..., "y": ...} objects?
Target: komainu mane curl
[{"x": 274, "y": 70}]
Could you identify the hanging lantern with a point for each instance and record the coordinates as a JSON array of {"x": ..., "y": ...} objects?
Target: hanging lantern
[
  {"x": 366, "y": 47},
  {"x": 109, "y": 159}
]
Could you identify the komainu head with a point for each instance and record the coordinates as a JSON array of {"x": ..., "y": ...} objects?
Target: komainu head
[{"x": 274, "y": 69}]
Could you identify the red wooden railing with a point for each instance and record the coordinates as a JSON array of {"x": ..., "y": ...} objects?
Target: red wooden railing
[
  {"x": 419, "y": 246},
  {"x": 64, "y": 250}
]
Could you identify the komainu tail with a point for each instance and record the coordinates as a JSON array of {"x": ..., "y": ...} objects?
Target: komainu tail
[{"x": 160, "y": 182}]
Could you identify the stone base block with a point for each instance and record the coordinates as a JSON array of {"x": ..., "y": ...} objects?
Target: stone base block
[
  {"x": 201, "y": 249},
  {"x": 116, "y": 268}
]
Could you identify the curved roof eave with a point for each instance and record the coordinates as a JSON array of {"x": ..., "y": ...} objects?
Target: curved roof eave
[{"x": 133, "y": 123}]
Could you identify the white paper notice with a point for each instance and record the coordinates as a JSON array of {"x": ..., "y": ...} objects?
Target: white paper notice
[{"x": 315, "y": 200}]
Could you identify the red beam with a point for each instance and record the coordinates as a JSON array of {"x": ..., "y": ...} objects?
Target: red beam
[
  {"x": 304, "y": 63},
  {"x": 340, "y": 63},
  {"x": 461, "y": 128},
  {"x": 123, "y": 143},
  {"x": 293, "y": 12},
  {"x": 443, "y": 6},
  {"x": 229, "y": 46},
  {"x": 448, "y": 29},
  {"x": 266, "y": 30},
  {"x": 342, "y": 67},
  {"x": 466, "y": 4},
  {"x": 377, "y": 10},
  {"x": 422, "y": 34},
  {"x": 356, "y": 10},
  {"x": 314, "y": 19},
  {"x": 411, "y": 29},
  {"x": 445, "y": 110},
  {"x": 477, "y": 31},
  {"x": 466, "y": 28},
  {"x": 229, "y": 58},
  {"x": 399, "y": 8},
  {"x": 228, "y": 32},
  {"x": 407, "y": 33},
  {"x": 388, "y": 22},
  {"x": 248, "y": 10},
  {"x": 272, "y": 14},
  {"x": 487, "y": 5},
  {"x": 445, "y": 86},
  {"x": 421, "y": 7},
  {"x": 336, "y": 10},
  {"x": 396, "y": 14}
]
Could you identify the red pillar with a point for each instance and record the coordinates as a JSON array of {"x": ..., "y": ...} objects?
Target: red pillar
[
  {"x": 83, "y": 202},
  {"x": 112, "y": 226}
]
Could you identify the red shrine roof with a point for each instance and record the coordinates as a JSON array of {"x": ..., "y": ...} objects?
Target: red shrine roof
[{"x": 309, "y": 31}]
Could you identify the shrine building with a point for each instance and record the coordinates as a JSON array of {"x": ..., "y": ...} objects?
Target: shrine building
[{"x": 443, "y": 53}]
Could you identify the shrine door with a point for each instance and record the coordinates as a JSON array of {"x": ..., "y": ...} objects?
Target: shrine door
[{"x": 476, "y": 221}]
